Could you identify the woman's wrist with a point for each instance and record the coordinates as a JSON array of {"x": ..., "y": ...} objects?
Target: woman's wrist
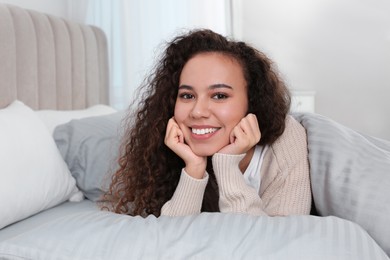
[{"x": 196, "y": 170}]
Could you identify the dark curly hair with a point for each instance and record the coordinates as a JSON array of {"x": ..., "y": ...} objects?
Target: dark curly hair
[{"x": 148, "y": 170}]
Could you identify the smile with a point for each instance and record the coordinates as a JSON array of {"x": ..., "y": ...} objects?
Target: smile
[{"x": 203, "y": 131}]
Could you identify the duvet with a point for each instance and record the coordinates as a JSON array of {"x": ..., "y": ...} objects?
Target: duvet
[{"x": 82, "y": 231}]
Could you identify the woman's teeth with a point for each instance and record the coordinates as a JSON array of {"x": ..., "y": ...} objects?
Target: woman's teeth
[{"x": 203, "y": 131}]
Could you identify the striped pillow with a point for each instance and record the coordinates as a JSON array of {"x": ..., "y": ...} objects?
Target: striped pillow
[{"x": 350, "y": 175}]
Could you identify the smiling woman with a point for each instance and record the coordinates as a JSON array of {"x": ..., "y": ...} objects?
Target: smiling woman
[
  {"x": 211, "y": 101},
  {"x": 212, "y": 134}
]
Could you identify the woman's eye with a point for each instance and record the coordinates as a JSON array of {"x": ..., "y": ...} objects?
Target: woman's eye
[
  {"x": 220, "y": 96},
  {"x": 186, "y": 96}
]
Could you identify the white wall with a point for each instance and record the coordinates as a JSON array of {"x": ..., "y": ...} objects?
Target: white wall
[
  {"x": 53, "y": 7},
  {"x": 338, "y": 48}
]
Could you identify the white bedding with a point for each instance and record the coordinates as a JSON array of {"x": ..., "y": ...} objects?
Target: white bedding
[
  {"x": 81, "y": 231},
  {"x": 48, "y": 215}
]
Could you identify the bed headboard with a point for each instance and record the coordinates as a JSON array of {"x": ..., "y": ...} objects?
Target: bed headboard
[{"x": 51, "y": 63}]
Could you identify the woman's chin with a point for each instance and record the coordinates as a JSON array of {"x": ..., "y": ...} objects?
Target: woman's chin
[
  {"x": 207, "y": 149},
  {"x": 205, "y": 152}
]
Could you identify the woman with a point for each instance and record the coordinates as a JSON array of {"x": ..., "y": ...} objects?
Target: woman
[{"x": 212, "y": 134}]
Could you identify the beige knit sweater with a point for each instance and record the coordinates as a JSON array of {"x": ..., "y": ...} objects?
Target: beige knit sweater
[{"x": 284, "y": 189}]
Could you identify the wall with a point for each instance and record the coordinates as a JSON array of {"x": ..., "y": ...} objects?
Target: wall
[
  {"x": 53, "y": 7},
  {"x": 338, "y": 48}
]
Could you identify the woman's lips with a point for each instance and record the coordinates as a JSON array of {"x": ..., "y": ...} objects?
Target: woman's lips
[{"x": 203, "y": 132}]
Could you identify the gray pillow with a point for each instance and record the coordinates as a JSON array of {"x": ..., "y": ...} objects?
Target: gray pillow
[
  {"x": 350, "y": 175},
  {"x": 90, "y": 148}
]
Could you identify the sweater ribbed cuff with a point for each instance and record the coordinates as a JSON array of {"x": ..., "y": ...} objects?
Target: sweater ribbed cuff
[
  {"x": 226, "y": 168},
  {"x": 235, "y": 195},
  {"x": 188, "y": 196}
]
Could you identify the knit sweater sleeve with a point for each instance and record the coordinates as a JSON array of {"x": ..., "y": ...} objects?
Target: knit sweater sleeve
[
  {"x": 234, "y": 194},
  {"x": 285, "y": 187},
  {"x": 187, "y": 198}
]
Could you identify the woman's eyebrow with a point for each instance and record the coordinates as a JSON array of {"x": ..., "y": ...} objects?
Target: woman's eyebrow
[
  {"x": 186, "y": 87},
  {"x": 215, "y": 86},
  {"x": 211, "y": 87}
]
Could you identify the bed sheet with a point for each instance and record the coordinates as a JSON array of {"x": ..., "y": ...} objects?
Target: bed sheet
[
  {"x": 90, "y": 234},
  {"x": 52, "y": 214}
]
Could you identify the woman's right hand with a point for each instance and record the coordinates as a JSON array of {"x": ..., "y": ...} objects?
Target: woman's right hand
[{"x": 174, "y": 139}]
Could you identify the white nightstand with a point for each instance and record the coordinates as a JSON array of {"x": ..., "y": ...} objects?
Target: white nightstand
[{"x": 302, "y": 101}]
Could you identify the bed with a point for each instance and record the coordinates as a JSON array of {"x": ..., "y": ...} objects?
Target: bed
[{"x": 59, "y": 139}]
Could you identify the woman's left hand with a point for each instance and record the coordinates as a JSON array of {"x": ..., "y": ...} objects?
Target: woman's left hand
[{"x": 244, "y": 136}]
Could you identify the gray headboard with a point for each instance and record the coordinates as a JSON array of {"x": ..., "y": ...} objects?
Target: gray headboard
[{"x": 51, "y": 63}]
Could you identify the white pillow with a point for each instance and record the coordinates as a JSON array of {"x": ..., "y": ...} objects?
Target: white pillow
[
  {"x": 33, "y": 175},
  {"x": 53, "y": 118}
]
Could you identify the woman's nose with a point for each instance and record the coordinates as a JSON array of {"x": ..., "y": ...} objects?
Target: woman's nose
[{"x": 200, "y": 109}]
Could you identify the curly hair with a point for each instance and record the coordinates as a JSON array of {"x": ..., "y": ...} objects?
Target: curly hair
[{"x": 148, "y": 170}]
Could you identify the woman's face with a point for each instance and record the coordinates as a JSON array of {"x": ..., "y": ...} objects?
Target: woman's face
[{"x": 211, "y": 101}]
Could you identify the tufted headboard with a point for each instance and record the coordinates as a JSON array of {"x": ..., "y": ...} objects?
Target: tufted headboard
[{"x": 51, "y": 63}]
